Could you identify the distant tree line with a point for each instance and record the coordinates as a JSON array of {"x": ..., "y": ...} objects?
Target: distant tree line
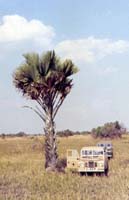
[
  {"x": 19, "y": 134},
  {"x": 109, "y": 130},
  {"x": 64, "y": 133},
  {"x": 67, "y": 132}
]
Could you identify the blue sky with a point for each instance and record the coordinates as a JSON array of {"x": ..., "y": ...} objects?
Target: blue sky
[{"x": 94, "y": 34}]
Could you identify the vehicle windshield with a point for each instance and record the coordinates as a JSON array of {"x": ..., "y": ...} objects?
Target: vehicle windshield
[
  {"x": 105, "y": 145},
  {"x": 97, "y": 153},
  {"x": 109, "y": 145},
  {"x": 86, "y": 152},
  {"x": 92, "y": 153},
  {"x": 100, "y": 145}
]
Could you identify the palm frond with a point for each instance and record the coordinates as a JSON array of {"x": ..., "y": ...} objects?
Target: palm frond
[
  {"x": 45, "y": 77},
  {"x": 68, "y": 68},
  {"x": 32, "y": 60}
]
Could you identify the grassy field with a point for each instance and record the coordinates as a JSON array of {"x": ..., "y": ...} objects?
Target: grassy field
[{"x": 22, "y": 174}]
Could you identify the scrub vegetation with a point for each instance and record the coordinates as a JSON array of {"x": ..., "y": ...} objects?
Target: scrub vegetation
[
  {"x": 23, "y": 176},
  {"x": 109, "y": 130}
]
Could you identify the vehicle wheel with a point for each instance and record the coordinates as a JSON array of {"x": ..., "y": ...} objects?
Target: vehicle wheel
[
  {"x": 82, "y": 173},
  {"x": 99, "y": 173},
  {"x": 95, "y": 174},
  {"x": 102, "y": 173},
  {"x": 106, "y": 171}
]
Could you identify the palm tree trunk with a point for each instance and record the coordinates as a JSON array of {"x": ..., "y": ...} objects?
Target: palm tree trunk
[{"x": 50, "y": 144}]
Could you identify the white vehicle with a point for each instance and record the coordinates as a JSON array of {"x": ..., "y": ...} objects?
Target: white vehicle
[
  {"x": 91, "y": 160},
  {"x": 107, "y": 145}
]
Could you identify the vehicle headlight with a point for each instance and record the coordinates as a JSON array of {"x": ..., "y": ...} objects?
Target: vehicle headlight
[{"x": 101, "y": 164}]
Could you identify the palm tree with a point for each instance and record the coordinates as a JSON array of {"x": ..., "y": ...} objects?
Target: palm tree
[{"x": 45, "y": 79}]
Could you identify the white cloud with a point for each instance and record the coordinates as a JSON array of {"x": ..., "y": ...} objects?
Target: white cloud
[
  {"x": 17, "y": 28},
  {"x": 19, "y": 35},
  {"x": 90, "y": 49}
]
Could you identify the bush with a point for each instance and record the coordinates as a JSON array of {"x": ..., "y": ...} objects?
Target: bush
[
  {"x": 61, "y": 164},
  {"x": 109, "y": 130},
  {"x": 3, "y": 136},
  {"x": 65, "y": 133},
  {"x": 21, "y": 134}
]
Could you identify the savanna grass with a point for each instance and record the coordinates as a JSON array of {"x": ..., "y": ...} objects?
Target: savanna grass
[{"x": 23, "y": 177}]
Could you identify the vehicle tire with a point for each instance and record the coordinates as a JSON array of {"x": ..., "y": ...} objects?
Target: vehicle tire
[
  {"x": 106, "y": 171},
  {"x": 102, "y": 173},
  {"x": 82, "y": 173}
]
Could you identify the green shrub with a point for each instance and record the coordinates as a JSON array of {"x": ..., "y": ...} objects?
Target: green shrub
[{"x": 109, "y": 130}]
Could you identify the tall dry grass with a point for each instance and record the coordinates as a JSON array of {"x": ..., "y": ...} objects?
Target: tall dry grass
[{"x": 22, "y": 174}]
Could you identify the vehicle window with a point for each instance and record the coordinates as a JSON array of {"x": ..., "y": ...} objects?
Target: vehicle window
[
  {"x": 97, "y": 153},
  {"x": 109, "y": 145},
  {"x": 86, "y": 152},
  {"x": 102, "y": 145},
  {"x": 89, "y": 152}
]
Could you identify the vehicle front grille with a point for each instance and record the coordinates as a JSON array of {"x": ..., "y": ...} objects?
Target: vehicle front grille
[{"x": 91, "y": 164}]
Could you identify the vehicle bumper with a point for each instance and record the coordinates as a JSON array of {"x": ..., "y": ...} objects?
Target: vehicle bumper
[{"x": 91, "y": 170}]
